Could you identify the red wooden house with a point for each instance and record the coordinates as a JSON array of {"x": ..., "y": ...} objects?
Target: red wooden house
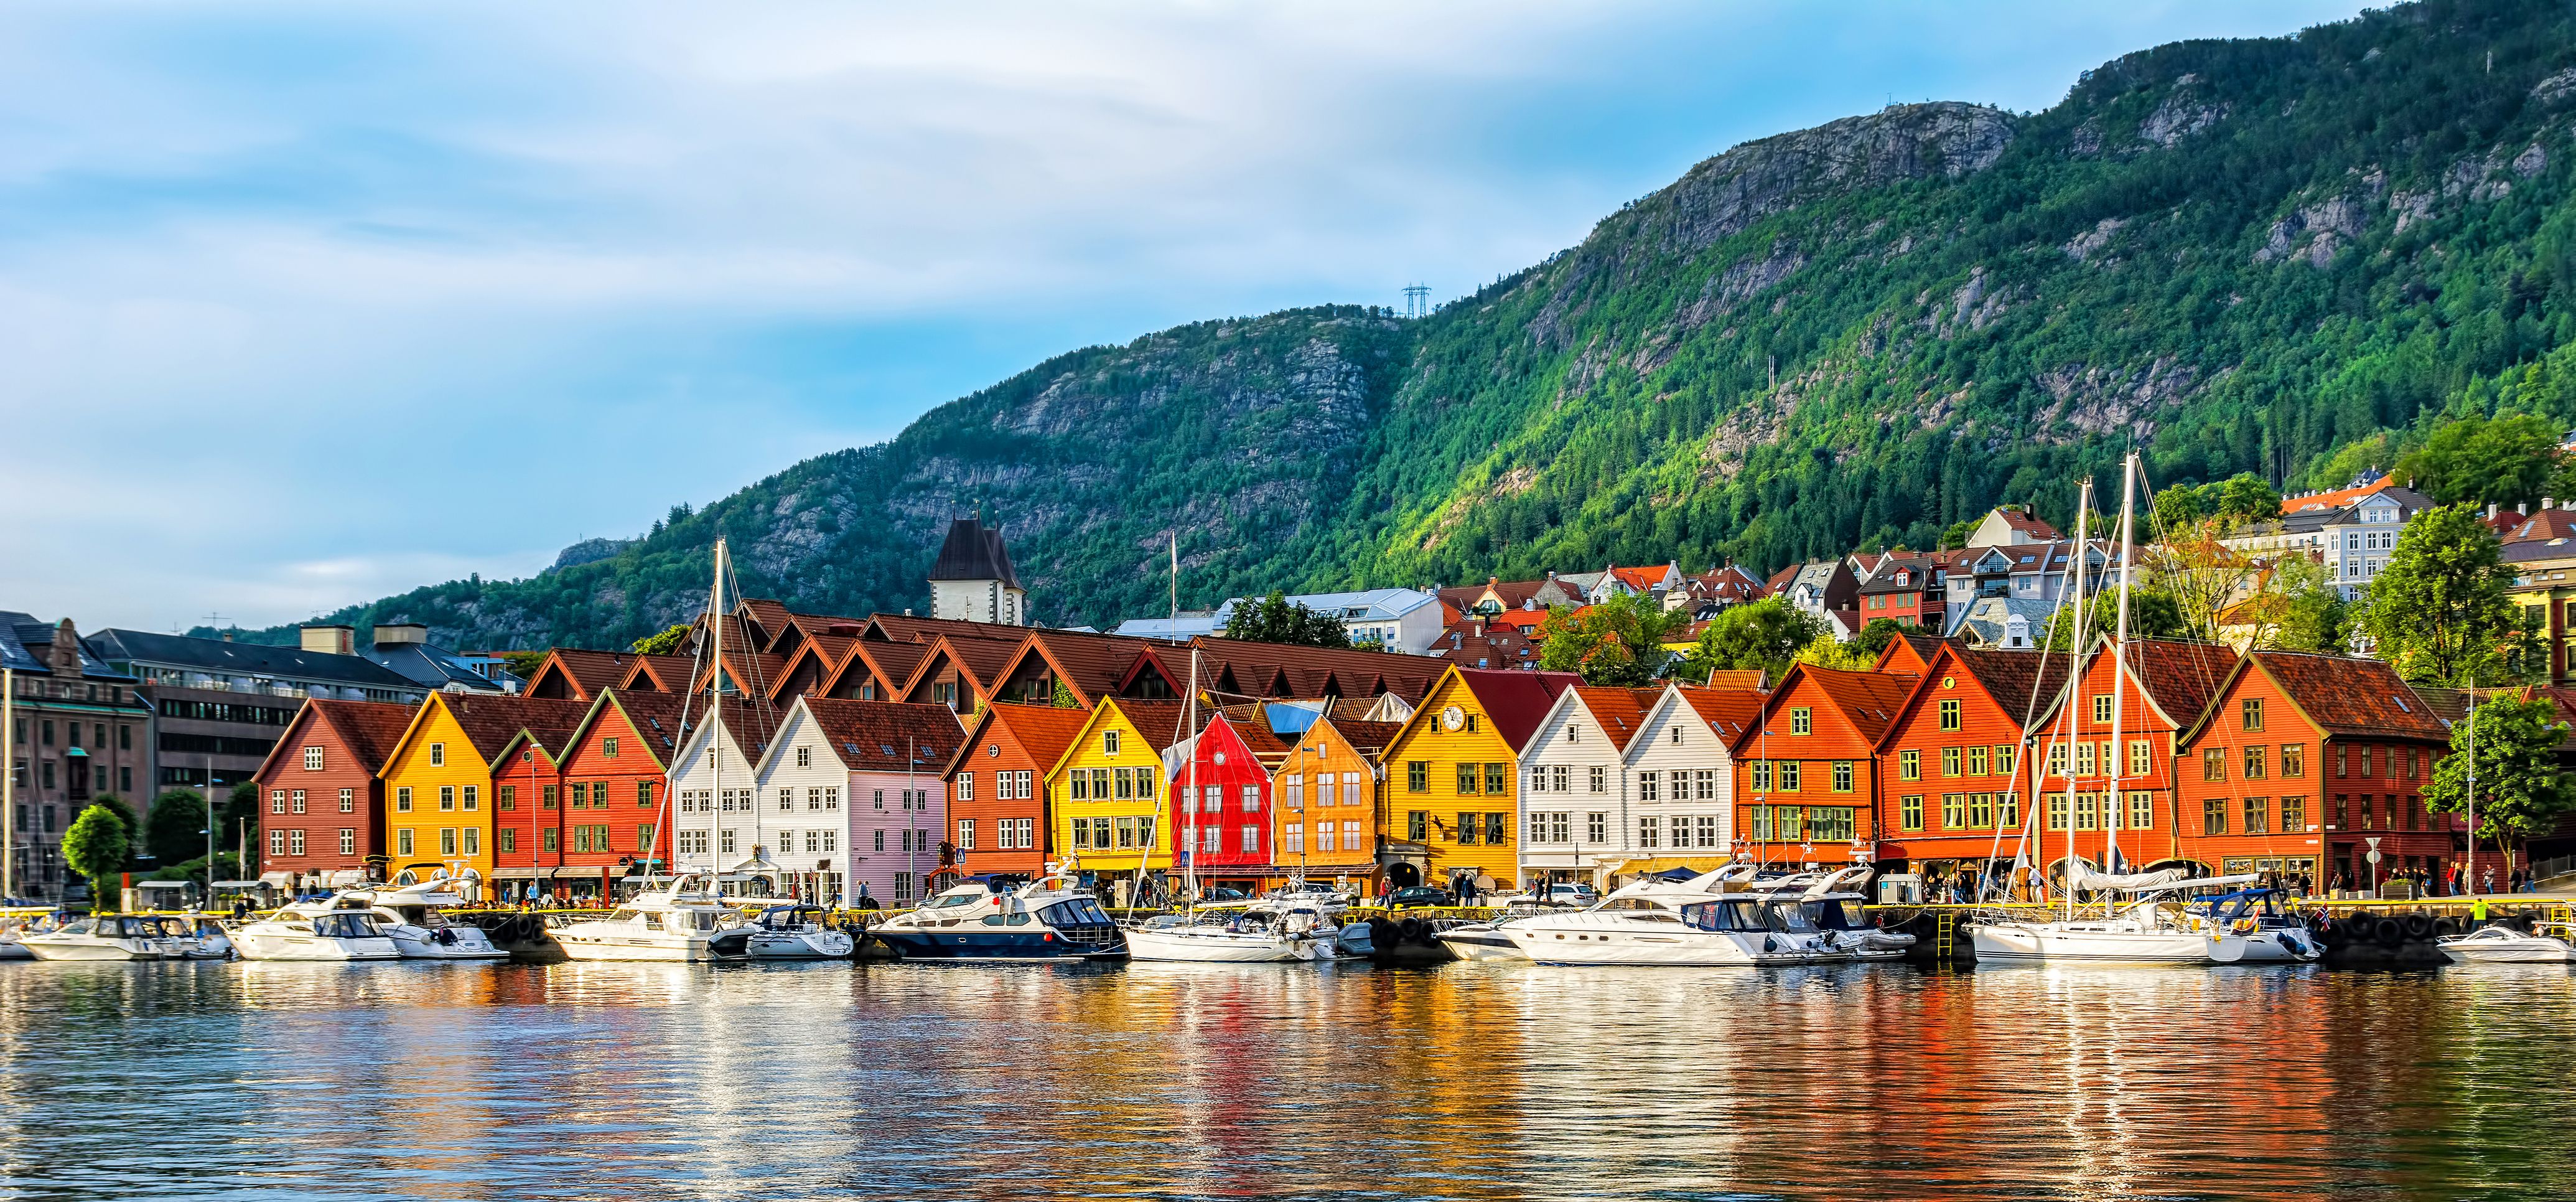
[
  {"x": 610, "y": 821},
  {"x": 2303, "y": 762},
  {"x": 326, "y": 811},
  {"x": 1228, "y": 768},
  {"x": 997, "y": 792},
  {"x": 2126, "y": 788},
  {"x": 1948, "y": 764},
  {"x": 1806, "y": 773}
]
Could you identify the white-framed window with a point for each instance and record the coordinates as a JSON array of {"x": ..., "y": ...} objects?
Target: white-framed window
[
  {"x": 447, "y": 801},
  {"x": 295, "y": 843},
  {"x": 277, "y": 801},
  {"x": 1600, "y": 778},
  {"x": 474, "y": 840},
  {"x": 313, "y": 759},
  {"x": 831, "y": 798},
  {"x": 804, "y": 757},
  {"x": 438, "y": 755},
  {"x": 965, "y": 786},
  {"x": 965, "y": 834},
  {"x": 1210, "y": 838},
  {"x": 786, "y": 800},
  {"x": 473, "y": 798},
  {"x": 403, "y": 843},
  {"x": 726, "y": 840},
  {"x": 348, "y": 841},
  {"x": 295, "y": 801},
  {"x": 348, "y": 801},
  {"x": 447, "y": 840},
  {"x": 1251, "y": 839},
  {"x": 276, "y": 843},
  {"x": 831, "y": 840},
  {"x": 1296, "y": 842},
  {"x": 1323, "y": 837}
]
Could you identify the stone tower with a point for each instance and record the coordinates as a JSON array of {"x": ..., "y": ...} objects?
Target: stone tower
[{"x": 973, "y": 580}]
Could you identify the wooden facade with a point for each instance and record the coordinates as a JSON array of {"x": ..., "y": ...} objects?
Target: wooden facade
[
  {"x": 997, "y": 794},
  {"x": 1807, "y": 781},
  {"x": 1331, "y": 808},
  {"x": 1951, "y": 763},
  {"x": 324, "y": 815},
  {"x": 1453, "y": 775}
]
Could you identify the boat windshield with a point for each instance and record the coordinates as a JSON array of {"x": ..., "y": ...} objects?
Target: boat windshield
[
  {"x": 1723, "y": 916},
  {"x": 1790, "y": 917},
  {"x": 1830, "y": 915},
  {"x": 1080, "y": 911},
  {"x": 960, "y": 898},
  {"x": 345, "y": 926}
]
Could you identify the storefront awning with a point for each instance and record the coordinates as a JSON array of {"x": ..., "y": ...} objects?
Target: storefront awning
[{"x": 279, "y": 879}]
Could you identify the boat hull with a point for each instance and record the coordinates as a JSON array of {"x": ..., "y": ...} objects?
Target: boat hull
[
  {"x": 1656, "y": 949},
  {"x": 915, "y": 944},
  {"x": 266, "y": 947},
  {"x": 2533, "y": 949},
  {"x": 98, "y": 950},
  {"x": 1182, "y": 944},
  {"x": 1485, "y": 944},
  {"x": 2033, "y": 943},
  {"x": 417, "y": 943}
]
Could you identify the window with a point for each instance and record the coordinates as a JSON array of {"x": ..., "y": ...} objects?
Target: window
[
  {"x": 447, "y": 840},
  {"x": 2083, "y": 759},
  {"x": 1705, "y": 779},
  {"x": 2213, "y": 764},
  {"x": 1842, "y": 776},
  {"x": 2258, "y": 816},
  {"x": 1949, "y": 761},
  {"x": 1649, "y": 832},
  {"x": 965, "y": 834},
  {"x": 1832, "y": 824},
  {"x": 1650, "y": 786},
  {"x": 348, "y": 801},
  {"x": 1498, "y": 828},
  {"x": 505, "y": 797},
  {"x": 2343, "y": 761},
  {"x": 1761, "y": 771},
  {"x": 2254, "y": 765},
  {"x": 1977, "y": 761},
  {"x": 1417, "y": 826},
  {"x": 2057, "y": 811},
  {"x": 277, "y": 843},
  {"x": 1596, "y": 827},
  {"x": 2005, "y": 757},
  {"x": 402, "y": 843},
  {"x": 1109, "y": 742},
  {"x": 402, "y": 802},
  {"x": 1498, "y": 779},
  {"x": 1600, "y": 779},
  {"x": 608, "y": 751},
  {"x": 312, "y": 759},
  {"x": 804, "y": 757},
  {"x": 295, "y": 801},
  {"x": 2087, "y": 814},
  {"x": 1469, "y": 827},
  {"x": 786, "y": 798},
  {"x": 1909, "y": 812},
  {"x": 1802, "y": 721},
  {"x": 1949, "y": 713},
  {"x": 725, "y": 841},
  {"x": 1909, "y": 765},
  {"x": 1954, "y": 812},
  {"x": 1788, "y": 776},
  {"x": 438, "y": 755},
  {"x": 474, "y": 797},
  {"x": 1081, "y": 836},
  {"x": 2213, "y": 816},
  {"x": 1564, "y": 779},
  {"x": 2102, "y": 707},
  {"x": 1467, "y": 778},
  {"x": 277, "y": 801},
  {"x": 348, "y": 841},
  {"x": 1251, "y": 840},
  {"x": 965, "y": 786},
  {"x": 2253, "y": 713},
  {"x": 506, "y": 840},
  {"x": 1981, "y": 811},
  {"x": 2294, "y": 815},
  {"x": 2057, "y": 759},
  {"x": 447, "y": 798},
  {"x": 1417, "y": 776}
]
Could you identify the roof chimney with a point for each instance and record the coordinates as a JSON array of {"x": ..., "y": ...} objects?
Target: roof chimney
[
  {"x": 391, "y": 633},
  {"x": 331, "y": 640},
  {"x": 2491, "y": 509}
]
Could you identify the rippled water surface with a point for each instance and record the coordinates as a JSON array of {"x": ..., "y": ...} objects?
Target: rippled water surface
[{"x": 1470, "y": 1081}]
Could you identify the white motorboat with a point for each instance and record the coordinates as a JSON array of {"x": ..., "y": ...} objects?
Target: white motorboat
[
  {"x": 407, "y": 910},
  {"x": 1005, "y": 918},
  {"x": 17, "y": 926},
  {"x": 1484, "y": 940},
  {"x": 1827, "y": 906},
  {"x": 795, "y": 932},
  {"x": 1258, "y": 932},
  {"x": 332, "y": 935},
  {"x": 202, "y": 937},
  {"x": 1700, "y": 922},
  {"x": 679, "y": 922},
  {"x": 2505, "y": 945},
  {"x": 109, "y": 937}
]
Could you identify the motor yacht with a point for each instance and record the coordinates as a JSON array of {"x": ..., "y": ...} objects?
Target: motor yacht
[
  {"x": 1006, "y": 918},
  {"x": 2501, "y": 944},
  {"x": 407, "y": 911},
  {"x": 680, "y": 921},
  {"x": 18, "y": 925},
  {"x": 1484, "y": 940},
  {"x": 109, "y": 937},
  {"x": 331, "y": 935},
  {"x": 1695, "y": 922},
  {"x": 1828, "y": 906},
  {"x": 2266, "y": 932},
  {"x": 794, "y": 932},
  {"x": 202, "y": 937}
]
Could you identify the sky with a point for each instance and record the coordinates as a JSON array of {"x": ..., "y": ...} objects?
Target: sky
[{"x": 302, "y": 304}]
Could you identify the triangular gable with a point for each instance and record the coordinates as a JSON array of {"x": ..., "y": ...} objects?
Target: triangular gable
[{"x": 2244, "y": 663}]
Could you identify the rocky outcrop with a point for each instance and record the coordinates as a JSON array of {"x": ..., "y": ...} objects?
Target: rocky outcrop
[
  {"x": 589, "y": 550},
  {"x": 1724, "y": 195}
]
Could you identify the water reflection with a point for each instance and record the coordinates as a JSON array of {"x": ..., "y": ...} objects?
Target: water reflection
[{"x": 1469, "y": 1082}]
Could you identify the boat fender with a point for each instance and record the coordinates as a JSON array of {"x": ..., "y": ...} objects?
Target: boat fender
[
  {"x": 2445, "y": 927},
  {"x": 2418, "y": 926},
  {"x": 2293, "y": 945},
  {"x": 1770, "y": 944},
  {"x": 443, "y": 937},
  {"x": 2389, "y": 932},
  {"x": 1409, "y": 930}
]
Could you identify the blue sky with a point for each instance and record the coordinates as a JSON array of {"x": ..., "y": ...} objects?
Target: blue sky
[{"x": 306, "y": 303}]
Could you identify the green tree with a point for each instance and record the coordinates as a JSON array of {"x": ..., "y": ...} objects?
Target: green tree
[
  {"x": 1956, "y": 534},
  {"x": 2440, "y": 611},
  {"x": 1063, "y": 698},
  {"x": 125, "y": 818},
  {"x": 2521, "y": 792},
  {"x": 175, "y": 829},
  {"x": 1765, "y": 634},
  {"x": 1276, "y": 619},
  {"x": 2311, "y": 612},
  {"x": 668, "y": 642},
  {"x": 1825, "y": 652},
  {"x": 2176, "y": 508},
  {"x": 2508, "y": 460},
  {"x": 523, "y": 664},
  {"x": 2153, "y": 614},
  {"x": 95, "y": 847},
  {"x": 1875, "y": 637},
  {"x": 1618, "y": 642}
]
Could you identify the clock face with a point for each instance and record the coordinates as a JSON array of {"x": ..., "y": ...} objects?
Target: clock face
[{"x": 1453, "y": 717}]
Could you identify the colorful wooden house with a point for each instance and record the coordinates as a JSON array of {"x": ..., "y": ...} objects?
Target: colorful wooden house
[
  {"x": 716, "y": 820},
  {"x": 2303, "y": 764},
  {"x": 438, "y": 778},
  {"x": 867, "y": 772},
  {"x": 610, "y": 819},
  {"x": 1953, "y": 764},
  {"x": 962, "y": 670},
  {"x": 1107, "y": 791},
  {"x": 1806, "y": 782},
  {"x": 1453, "y": 775},
  {"x": 1681, "y": 783},
  {"x": 572, "y": 674},
  {"x": 1221, "y": 817},
  {"x": 1575, "y": 790},
  {"x": 996, "y": 783},
  {"x": 1330, "y": 798},
  {"x": 325, "y": 819},
  {"x": 527, "y": 815},
  {"x": 2166, "y": 688}
]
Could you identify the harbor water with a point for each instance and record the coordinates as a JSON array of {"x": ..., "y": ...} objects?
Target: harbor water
[{"x": 1469, "y": 1081}]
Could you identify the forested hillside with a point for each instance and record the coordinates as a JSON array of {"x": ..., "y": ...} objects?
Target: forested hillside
[{"x": 2281, "y": 256}]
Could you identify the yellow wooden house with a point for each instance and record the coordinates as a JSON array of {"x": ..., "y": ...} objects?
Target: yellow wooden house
[
  {"x": 438, "y": 778},
  {"x": 1108, "y": 794},
  {"x": 1451, "y": 780}
]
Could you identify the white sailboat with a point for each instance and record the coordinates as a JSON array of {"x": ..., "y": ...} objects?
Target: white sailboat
[{"x": 1197, "y": 938}]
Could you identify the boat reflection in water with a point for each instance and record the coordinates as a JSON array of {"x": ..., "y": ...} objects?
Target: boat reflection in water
[{"x": 585, "y": 1080}]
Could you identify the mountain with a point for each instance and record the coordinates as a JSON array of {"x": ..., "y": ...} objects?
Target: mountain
[{"x": 2278, "y": 255}]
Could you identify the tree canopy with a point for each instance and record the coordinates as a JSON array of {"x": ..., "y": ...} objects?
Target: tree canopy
[
  {"x": 95, "y": 847},
  {"x": 1618, "y": 642},
  {"x": 2507, "y": 460},
  {"x": 1765, "y": 634},
  {"x": 2520, "y": 790},
  {"x": 2440, "y": 610},
  {"x": 668, "y": 642},
  {"x": 1276, "y": 619},
  {"x": 175, "y": 829}
]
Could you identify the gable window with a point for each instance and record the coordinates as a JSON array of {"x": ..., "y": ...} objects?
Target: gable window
[
  {"x": 1949, "y": 713},
  {"x": 313, "y": 759},
  {"x": 2102, "y": 708},
  {"x": 2253, "y": 713},
  {"x": 1802, "y": 720},
  {"x": 805, "y": 758},
  {"x": 1109, "y": 742},
  {"x": 608, "y": 748}
]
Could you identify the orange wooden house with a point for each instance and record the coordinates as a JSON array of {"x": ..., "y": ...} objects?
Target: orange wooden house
[{"x": 1806, "y": 774}]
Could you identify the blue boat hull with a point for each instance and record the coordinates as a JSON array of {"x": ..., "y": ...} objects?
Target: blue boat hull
[{"x": 996, "y": 945}]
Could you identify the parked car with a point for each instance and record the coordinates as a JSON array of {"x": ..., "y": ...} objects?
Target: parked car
[{"x": 1418, "y": 896}]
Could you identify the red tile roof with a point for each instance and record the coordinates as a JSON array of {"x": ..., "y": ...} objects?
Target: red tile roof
[
  {"x": 490, "y": 722},
  {"x": 654, "y": 716},
  {"x": 1310, "y": 673},
  {"x": 2342, "y": 695},
  {"x": 1867, "y": 700},
  {"x": 585, "y": 673},
  {"x": 1621, "y": 713},
  {"x": 2180, "y": 678},
  {"x": 876, "y": 736},
  {"x": 1044, "y": 731},
  {"x": 1641, "y": 579},
  {"x": 1516, "y": 702},
  {"x": 1366, "y": 738},
  {"x": 1747, "y": 680},
  {"x": 1729, "y": 712},
  {"x": 2024, "y": 684},
  {"x": 2019, "y": 519},
  {"x": 667, "y": 673},
  {"x": 2544, "y": 525}
]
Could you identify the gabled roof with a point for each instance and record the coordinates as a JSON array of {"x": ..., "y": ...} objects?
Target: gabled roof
[
  {"x": 1641, "y": 579},
  {"x": 905, "y": 628},
  {"x": 1750, "y": 680},
  {"x": 1620, "y": 713},
  {"x": 1728, "y": 712},
  {"x": 751, "y": 723},
  {"x": 1365, "y": 737},
  {"x": 1867, "y": 700},
  {"x": 1092, "y": 665},
  {"x": 973, "y": 551},
  {"x": 655, "y": 717},
  {"x": 1313, "y": 672},
  {"x": 1915, "y": 647},
  {"x": 369, "y": 729},
  {"x": 2018, "y": 519},
  {"x": 750, "y": 671},
  {"x": 2340, "y": 695},
  {"x": 2006, "y": 677},
  {"x": 2549, "y": 523},
  {"x": 1044, "y": 731},
  {"x": 581, "y": 674},
  {"x": 662, "y": 673},
  {"x": 980, "y": 660},
  {"x": 891, "y": 664},
  {"x": 491, "y": 723},
  {"x": 2179, "y": 678},
  {"x": 768, "y": 619},
  {"x": 1515, "y": 702},
  {"x": 884, "y": 736}
]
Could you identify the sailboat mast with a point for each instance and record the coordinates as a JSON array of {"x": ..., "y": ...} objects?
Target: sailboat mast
[
  {"x": 2113, "y": 808},
  {"x": 1190, "y": 865},
  {"x": 2468, "y": 874},
  {"x": 2075, "y": 677},
  {"x": 715, "y": 704}
]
